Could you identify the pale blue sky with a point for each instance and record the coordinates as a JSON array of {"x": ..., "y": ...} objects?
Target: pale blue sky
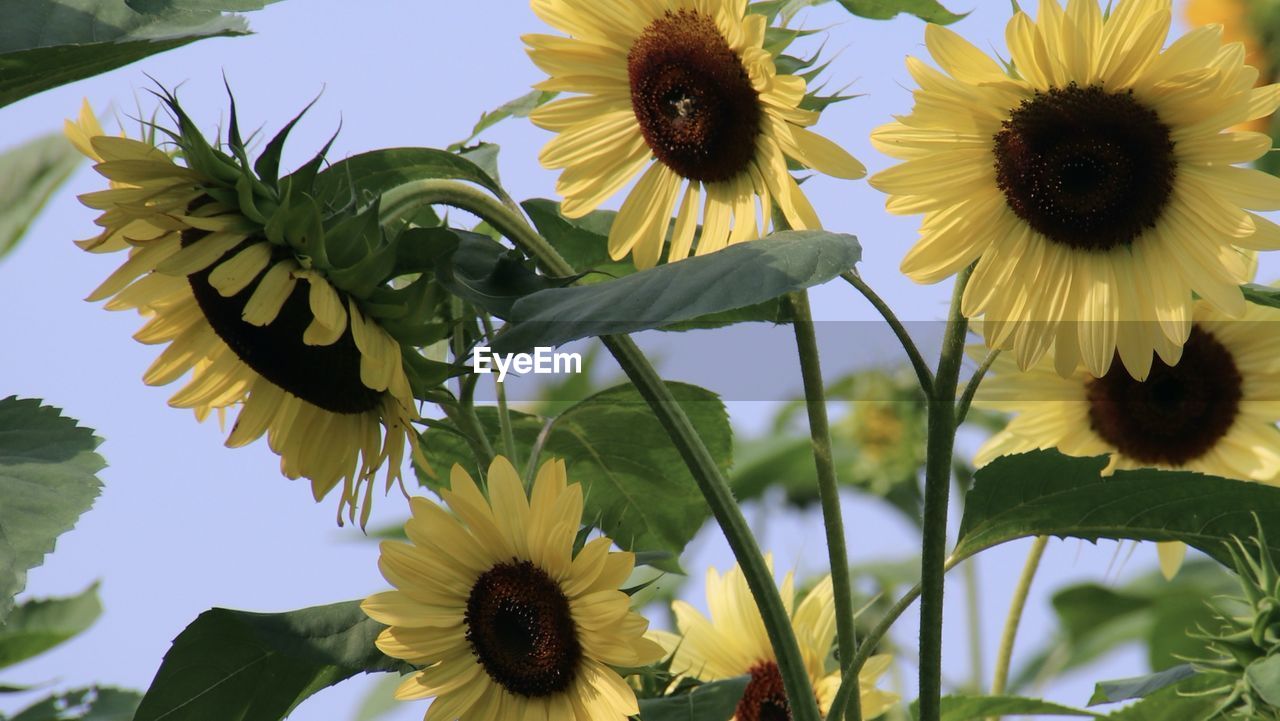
[{"x": 185, "y": 524}]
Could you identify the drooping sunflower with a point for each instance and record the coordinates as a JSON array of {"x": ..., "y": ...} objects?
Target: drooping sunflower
[
  {"x": 733, "y": 642},
  {"x": 1095, "y": 188},
  {"x": 506, "y": 621},
  {"x": 686, "y": 89},
  {"x": 248, "y": 321},
  {"x": 1214, "y": 411},
  {"x": 1237, "y": 19}
]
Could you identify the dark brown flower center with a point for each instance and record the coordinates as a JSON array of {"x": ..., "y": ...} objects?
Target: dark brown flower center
[
  {"x": 692, "y": 97},
  {"x": 764, "y": 699},
  {"x": 325, "y": 376},
  {"x": 1087, "y": 168},
  {"x": 1175, "y": 416},
  {"x": 521, "y": 629}
]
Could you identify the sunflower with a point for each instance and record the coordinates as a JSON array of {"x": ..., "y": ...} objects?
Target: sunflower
[
  {"x": 506, "y": 620},
  {"x": 1214, "y": 411},
  {"x": 247, "y": 321},
  {"x": 1237, "y": 21},
  {"x": 689, "y": 84},
  {"x": 733, "y": 643},
  {"x": 1095, "y": 189}
]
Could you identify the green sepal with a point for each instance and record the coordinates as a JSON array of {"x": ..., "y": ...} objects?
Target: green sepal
[
  {"x": 268, "y": 164},
  {"x": 425, "y": 375},
  {"x": 304, "y": 231}
]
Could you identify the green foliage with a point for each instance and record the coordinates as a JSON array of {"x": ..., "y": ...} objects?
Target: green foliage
[
  {"x": 89, "y": 704},
  {"x": 1183, "y": 702},
  {"x": 715, "y": 701},
  {"x": 1095, "y": 620},
  {"x": 637, "y": 488},
  {"x": 978, "y": 708},
  {"x": 759, "y": 271},
  {"x": 1124, "y": 689},
  {"x": 489, "y": 275},
  {"x": 1046, "y": 493},
  {"x": 259, "y": 667},
  {"x": 47, "y": 467},
  {"x": 38, "y": 625},
  {"x": 1261, "y": 294},
  {"x": 927, "y": 10},
  {"x": 29, "y": 175},
  {"x": 47, "y": 43},
  {"x": 361, "y": 178},
  {"x": 516, "y": 108}
]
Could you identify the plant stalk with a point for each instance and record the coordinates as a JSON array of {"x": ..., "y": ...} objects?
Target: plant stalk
[
  {"x": 1016, "y": 607},
  {"x": 923, "y": 373},
  {"x": 828, "y": 495}
]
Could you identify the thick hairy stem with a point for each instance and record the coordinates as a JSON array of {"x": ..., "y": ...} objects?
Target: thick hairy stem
[
  {"x": 829, "y": 496},
  {"x": 937, "y": 488},
  {"x": 714, "y": 487}
]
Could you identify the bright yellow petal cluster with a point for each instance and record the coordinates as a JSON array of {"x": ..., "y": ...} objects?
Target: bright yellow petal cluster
[
  {"x": 560, "y": 630},
  {"x": 1088, "y": 300},
  {"x": 603, "y": 141},
  {"x": 259, "y": 313},
  {"x": 733, "y": 642}
]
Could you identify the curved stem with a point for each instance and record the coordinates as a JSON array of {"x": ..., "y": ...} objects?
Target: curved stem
[
  {"x": 937, "y": 487},
  {"x": 923, "y": 373},
  {"x": 504, "y": 413},
  {"x": 1014, "y": 618},
  {"x": 684, "y": 437},
  {"x": 828, "y": 495},
  {"x": 962, "y": 408},
  {"x": 463, "y": 416}
]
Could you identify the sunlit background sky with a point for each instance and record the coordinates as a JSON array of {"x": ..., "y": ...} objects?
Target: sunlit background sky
[{"x": 185, "y": 524}]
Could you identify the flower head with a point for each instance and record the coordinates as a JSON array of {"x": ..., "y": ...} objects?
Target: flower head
[
  {"x": 1095, "y": 189},
  {"x": 505, "y": 619},
  {"x": 249, "y": 309},
  {"x": 733, "y": 642},
  {"x": 685, "y": 89}
]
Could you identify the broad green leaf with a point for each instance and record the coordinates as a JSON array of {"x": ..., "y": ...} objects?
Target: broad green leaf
[
  {"x": 1264, "y": 678},
  {"x": 739, "y": 276},
  {"x": 47, "y": 467},
  {"x": 1261, "y": 294},
  {"x": 1124, "y": 689},
  {"x": 29, "y": 175},
  {"x": 164, "y": 6},
  {"x": 1045, "y": 493},
  {"x": 518, "y": 108},
  {"x": 373, "y": 173},
  {"x": 38, "y": 625},
  {"x": 715, "y": 701},
  {"x": 927, "y": 10},
  {"x": 978, "y": 708},
  {"x": 622, "y": 456},
  {"x": 1179, "y": 702},
  {"x": 47, "y": 43},
  {"x": 260, "y": 666},
  {"x": 486, "y": 273},
  {"x": 89, "y": 704}
]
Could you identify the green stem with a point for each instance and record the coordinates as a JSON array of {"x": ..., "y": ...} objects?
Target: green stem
[
  {"x": 1016, "y": 606},
  {"x": 714, "y": 487},
  {"x": 923, "y": 373},
  {"x": 971, "y": 388},
  {"x": 463, "y": 416},
  {"x": 828, "y": 495},
  {"x": 504, "y": 414},
  {"x": 937, "y": 488},
  {"x": 974, "y": 608}
]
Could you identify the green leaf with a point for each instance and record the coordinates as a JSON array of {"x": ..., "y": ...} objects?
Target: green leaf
[
  {"x": 715, "y": 701},
  {"x": 1169, "y": 704},
  {"x": 47, "y": 467},
  {"x": 623, "y": 458},
  {"x": 1045, "y": 493},
  {"x": 1141, "y": 686},
  {"x": 486, "y": 273},
  {"x": 1261, "y": 294},
  {"x": 165, "y": 6},
  {"x": 1263, "y": 676},
  {"x": 978, "y": 708},
  {"x": 38, "y": 625},
  {"x": 89, "y": 704},
  {"x": 29, "y": 175},
  {"x": 518, "y": 108},
  {"x": 737, "y": 277},
  {"x": 928, "y": 10},
  {"x": 47, "y": 43},
  {"x": 260, "y": 666},
  {"x": 373, "y": 173}
]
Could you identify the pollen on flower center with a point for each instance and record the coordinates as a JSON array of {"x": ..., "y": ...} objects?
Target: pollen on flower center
[
  {"x": 327, "y": 376},
  {"x": 693, "y": 99},
  {"x": 520, "y": 628},
  {"x": 764, "y": 699},
  {"x": 1087, "y": 168},
  {"x": 1178, "y": 414}
]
